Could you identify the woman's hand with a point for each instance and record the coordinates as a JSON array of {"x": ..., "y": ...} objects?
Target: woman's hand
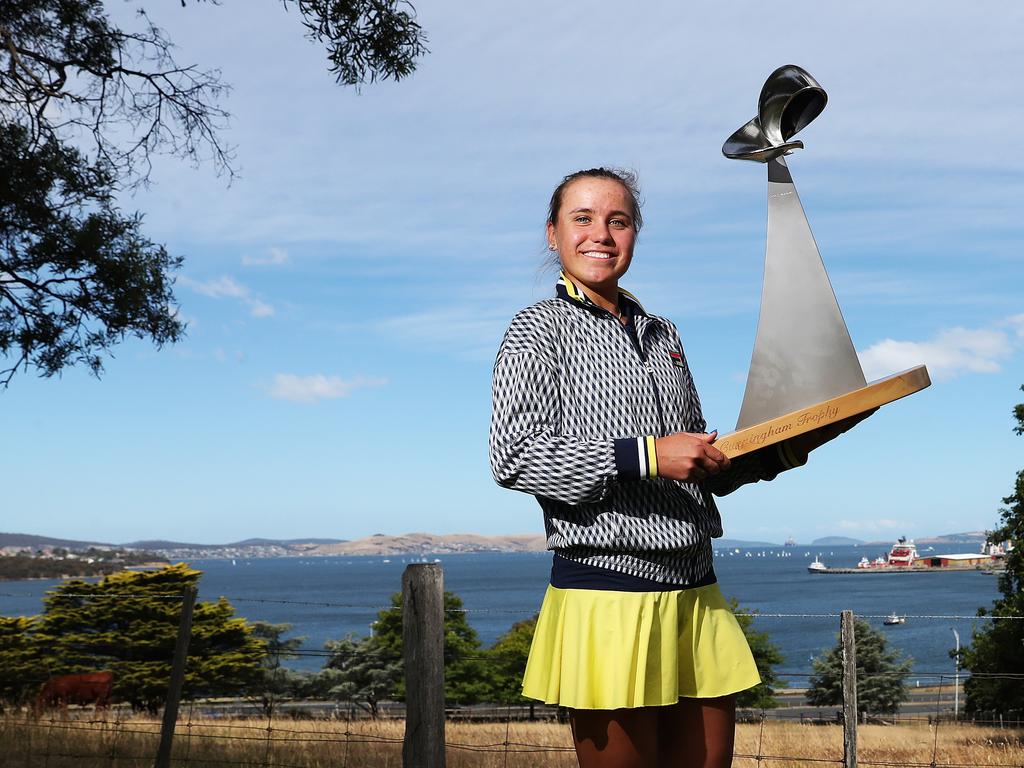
[{"x": 689, "y": 456}]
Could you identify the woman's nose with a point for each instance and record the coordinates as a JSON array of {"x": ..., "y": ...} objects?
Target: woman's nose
[{"x": 600, "y": 233}]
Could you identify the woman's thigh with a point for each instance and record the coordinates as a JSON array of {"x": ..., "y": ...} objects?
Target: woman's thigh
[
  {"x": 616, "y": 738},
  {"x": 697, "y": 733}
]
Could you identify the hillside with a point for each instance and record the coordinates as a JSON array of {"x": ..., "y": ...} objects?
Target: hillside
[{"x": 429, "y": 543}]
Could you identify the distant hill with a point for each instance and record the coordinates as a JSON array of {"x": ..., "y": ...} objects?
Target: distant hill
[
  {"x": 741, "y": 544},
  {"x": 969, "y": 537},
  {"x": 836, "y": 541},
  {"x": 409, "y": 544},
  {"x": 286, "y": 543},
  {"x": 34, "y": 542},
  {"x": 430, "y": 543}
]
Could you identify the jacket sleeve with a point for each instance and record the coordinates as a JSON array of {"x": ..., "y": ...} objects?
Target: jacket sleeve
[{"x": 527, "y": 449}]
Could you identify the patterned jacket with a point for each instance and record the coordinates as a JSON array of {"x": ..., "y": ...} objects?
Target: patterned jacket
[{"x": 576, "y": 409}]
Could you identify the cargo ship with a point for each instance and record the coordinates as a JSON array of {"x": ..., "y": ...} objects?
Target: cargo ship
[{"x": 903, "y": 557}]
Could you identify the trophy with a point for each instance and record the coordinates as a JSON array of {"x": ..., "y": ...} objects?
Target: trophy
[{"x": 804, "y": 373}]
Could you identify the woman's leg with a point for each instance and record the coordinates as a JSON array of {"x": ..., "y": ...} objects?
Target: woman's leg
[
  {"x": 616, "y": 738},
  {"x": 697, "y": 733}
]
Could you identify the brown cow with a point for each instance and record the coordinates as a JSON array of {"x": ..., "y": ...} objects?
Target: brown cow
[{"x": 87, "y": 688}]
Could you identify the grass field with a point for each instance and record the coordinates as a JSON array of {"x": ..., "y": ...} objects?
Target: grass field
[{"x": 367, "y": 744}]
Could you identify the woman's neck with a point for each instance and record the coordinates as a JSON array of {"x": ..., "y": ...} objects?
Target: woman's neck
[{"x": 606, "y": 298}]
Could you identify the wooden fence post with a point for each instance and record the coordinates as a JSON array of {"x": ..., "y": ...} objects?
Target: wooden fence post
[
  {"x": 423, "y": 651},
  {"x": 849, "y": 689},
  {"x": 163, "y": 753}
]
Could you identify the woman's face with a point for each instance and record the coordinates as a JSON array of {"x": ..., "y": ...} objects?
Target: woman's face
[{"x": 594, "y": 234}]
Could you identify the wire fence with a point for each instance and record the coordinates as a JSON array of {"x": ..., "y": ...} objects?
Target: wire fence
[{"x": 273, "y": 726}]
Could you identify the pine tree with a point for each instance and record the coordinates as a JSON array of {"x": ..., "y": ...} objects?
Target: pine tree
[
  {"x": 997, "y": 647},
  {"x": 466, "y": 674},
  {"x": 881, "y": 673},
  {"x": 20, "y": 676},
  {"x": 277, "y": 681},
  {"x": 362, "y": 671},
  {"x": 128, "y": 624}
]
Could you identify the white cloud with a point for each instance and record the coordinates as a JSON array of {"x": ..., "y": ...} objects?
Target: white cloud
[
  {"x": 228, "y": 288},
  {"x": 259, "y": 308},
  {"x": 310, "y": 389},
  {"x": 949, "y": 353},
  {"x": 274, "y": 257}
]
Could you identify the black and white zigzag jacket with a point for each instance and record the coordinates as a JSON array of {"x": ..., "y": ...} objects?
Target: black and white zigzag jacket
[{"x": 576, "y": 408}]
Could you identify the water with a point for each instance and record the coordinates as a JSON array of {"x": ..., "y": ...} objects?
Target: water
[{"x": 327, "y": 598}]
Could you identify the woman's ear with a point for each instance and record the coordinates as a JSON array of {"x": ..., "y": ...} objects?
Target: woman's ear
[{"x": 551, "y": 237}]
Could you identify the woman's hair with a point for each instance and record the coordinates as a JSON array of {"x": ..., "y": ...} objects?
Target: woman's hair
[{"x": 626, "y": 178}]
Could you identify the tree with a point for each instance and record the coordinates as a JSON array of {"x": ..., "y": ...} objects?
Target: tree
[
  {"x": 368, "y": 663},
  {"x": 76, "y": 276},
  {"x": 128, "y": 624},
  {"x": 19, "y": 661},
  {"x": 362, "y": 671},
  {"x": 881, "y": 673},
  {"x": 997, "y": 647},
  {"x": 507, "y": 658},
  {"x": 84, "y": 105},
  {"x": 766, "y": 656},
  {"x": 278, "y": 681}
]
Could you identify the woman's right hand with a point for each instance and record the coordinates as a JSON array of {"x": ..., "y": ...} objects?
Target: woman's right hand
[{"x": 689, "y": 456}]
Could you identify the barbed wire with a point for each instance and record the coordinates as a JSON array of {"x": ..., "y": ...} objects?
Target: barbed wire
[{"x": 508, "y": 746}]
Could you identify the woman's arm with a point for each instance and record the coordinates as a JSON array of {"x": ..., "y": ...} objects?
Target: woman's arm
[{"x": 527, "y": 451}]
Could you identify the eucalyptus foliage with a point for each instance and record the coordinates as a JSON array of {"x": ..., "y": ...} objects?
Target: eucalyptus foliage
[
  {"x": 85, "y": 104},
  {"x": 995, "y": 656}
]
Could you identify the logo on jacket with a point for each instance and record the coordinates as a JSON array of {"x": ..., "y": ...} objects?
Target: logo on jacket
[{"x": 677, "y": 359}]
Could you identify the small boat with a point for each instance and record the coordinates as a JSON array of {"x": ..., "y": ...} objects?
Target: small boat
[
  {"x": 817, "y": 566},
  {"x": 892, "y": 619}
]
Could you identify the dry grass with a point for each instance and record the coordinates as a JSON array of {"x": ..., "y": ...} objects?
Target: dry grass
[{"x": 366, "y": 744}]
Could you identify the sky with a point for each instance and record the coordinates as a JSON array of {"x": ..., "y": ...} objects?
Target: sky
[{"x": 346, "y": 294}]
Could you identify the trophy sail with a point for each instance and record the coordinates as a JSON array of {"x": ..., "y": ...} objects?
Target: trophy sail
[
  {"x": 803, "y": 352},
  {"x": 804, "y": 374}
]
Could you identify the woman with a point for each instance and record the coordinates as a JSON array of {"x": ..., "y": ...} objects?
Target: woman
[{"x": 595, "y": 414}]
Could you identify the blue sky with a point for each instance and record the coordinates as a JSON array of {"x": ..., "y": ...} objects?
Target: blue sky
[{"x": 346, "y": 295}]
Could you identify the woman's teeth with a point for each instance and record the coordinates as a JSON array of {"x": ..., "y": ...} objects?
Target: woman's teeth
[{"x": 597, "y": 255}]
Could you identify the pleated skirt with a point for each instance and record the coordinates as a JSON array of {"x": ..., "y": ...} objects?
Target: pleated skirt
[{"x": 602, "y": 649}]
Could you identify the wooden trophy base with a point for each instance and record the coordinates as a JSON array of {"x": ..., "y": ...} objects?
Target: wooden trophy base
[{"x": 781, "y": 428}]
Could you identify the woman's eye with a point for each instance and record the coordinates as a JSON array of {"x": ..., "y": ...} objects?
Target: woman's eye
[
  {"x": 619, "y": 223},
  {"x": 582, "y": 219}
]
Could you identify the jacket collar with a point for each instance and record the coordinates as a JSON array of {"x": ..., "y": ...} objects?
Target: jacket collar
[{"x": 566, "y": 289}]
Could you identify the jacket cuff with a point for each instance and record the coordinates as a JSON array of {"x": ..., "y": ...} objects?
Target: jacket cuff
[
  {"x": 635, "y": 458},
  {"x": 789, "y": 457}
]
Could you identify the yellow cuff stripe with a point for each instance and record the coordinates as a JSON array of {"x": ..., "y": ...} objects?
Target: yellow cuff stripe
[{"x": 652, "y": 457}]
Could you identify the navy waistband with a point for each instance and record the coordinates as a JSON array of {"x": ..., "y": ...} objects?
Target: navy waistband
[{"x": 569, "y": 574}]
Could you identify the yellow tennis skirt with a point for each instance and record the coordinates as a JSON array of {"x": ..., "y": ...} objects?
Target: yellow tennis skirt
[{"x": 602, "y": 649}]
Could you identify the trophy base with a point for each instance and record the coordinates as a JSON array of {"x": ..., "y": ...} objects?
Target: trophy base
[{"x": 812, "y": 417}]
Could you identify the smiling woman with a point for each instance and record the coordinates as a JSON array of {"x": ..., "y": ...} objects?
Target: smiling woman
[{"x": 595, "y": 414}]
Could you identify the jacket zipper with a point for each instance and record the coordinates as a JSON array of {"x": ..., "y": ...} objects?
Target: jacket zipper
[{"x": 647, "y": 367}]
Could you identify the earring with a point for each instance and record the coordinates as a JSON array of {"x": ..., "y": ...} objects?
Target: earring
[{"x": 552, "y": 247}]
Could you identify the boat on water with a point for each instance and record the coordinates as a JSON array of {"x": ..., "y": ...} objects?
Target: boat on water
[
  {"x": 902, "y": 554},
  {"x": 903, "y": 557},
  {"x": 893, "y": 619}
]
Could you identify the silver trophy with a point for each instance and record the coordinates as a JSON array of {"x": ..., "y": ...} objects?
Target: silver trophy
[{"x": 804, "y": 372}]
